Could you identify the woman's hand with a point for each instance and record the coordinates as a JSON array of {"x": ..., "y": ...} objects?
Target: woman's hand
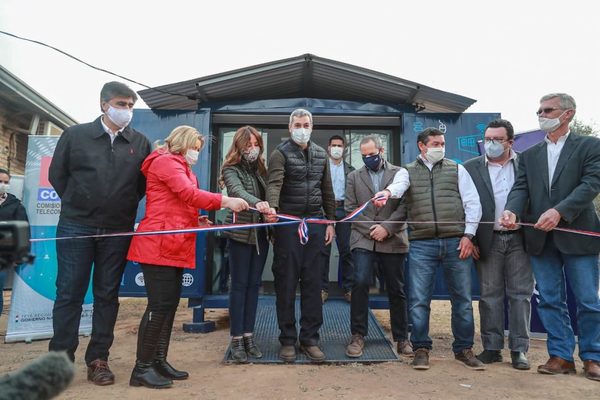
[
  {"x": 235, "y": 204},
  {"x": 263, "y": 207},
  {"x": 204, "y": 221}
]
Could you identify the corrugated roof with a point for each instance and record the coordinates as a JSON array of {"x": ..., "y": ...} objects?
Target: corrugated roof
[{"x": 303, "y": 76}]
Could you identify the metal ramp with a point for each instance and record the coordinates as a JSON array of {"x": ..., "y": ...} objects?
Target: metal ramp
[{"x": 335, "y": 333}]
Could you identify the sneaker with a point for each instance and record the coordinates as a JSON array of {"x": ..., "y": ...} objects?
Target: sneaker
[
  {"x": 324, "y": 296},
  {"x": 469, "y": 360},
  {"x": 348, "y": 296},
  {"x": 421, "y": 360},
  {"x": 354, "y": 349},
  {"x": 238, "y": 352},
  {"x": 404, "y": 348},
  {"x": 490, "y": 356}
]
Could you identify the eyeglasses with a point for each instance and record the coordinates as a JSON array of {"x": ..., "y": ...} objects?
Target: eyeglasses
[
  {"x": 546, "y": 110},
  {"x": 490, "y": 140}
]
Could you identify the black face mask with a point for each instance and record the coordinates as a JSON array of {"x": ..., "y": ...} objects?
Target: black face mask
[{"x": 373, "y": 162}]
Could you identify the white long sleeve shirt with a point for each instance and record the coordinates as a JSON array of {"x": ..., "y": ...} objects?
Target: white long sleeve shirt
[{"x": 466, "y": 188}]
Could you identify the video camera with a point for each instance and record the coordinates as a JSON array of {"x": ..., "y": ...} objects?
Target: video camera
[{"x": 14, "y": 244}]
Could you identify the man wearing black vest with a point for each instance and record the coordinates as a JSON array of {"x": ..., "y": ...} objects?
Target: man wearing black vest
[
  {"x": 437, "y": 189},
  {"x": 502, "y": 264},
  {"x": 300, "y": 185}
]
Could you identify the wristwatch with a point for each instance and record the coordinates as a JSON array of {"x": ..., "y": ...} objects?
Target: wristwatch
[{"x": 469, "y": 236}]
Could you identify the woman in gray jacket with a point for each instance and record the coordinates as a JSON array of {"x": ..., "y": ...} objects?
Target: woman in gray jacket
[{"x": 243, "y": 175}]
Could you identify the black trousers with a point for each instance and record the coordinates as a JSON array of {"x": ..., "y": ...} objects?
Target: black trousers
[
  {"x": 392, "y": 265},
  {"x": 163, "y": 286},
  {"x": 295, "y": 263}
]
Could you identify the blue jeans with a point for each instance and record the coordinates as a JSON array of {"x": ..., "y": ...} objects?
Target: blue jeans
[
  {"x": 75, "y": 260},
  {"x": 549, "y": 270},
  {"x": 423, "y": 258},
  {"x": 393, "y": 271},
  {"x": 246, "y": 275}
]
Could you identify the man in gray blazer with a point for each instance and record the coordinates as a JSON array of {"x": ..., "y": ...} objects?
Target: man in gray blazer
[
  {"x": 502, "y": 264},
  {"x": 557, "y": 181},
  {"x": 384, "y": 240}
]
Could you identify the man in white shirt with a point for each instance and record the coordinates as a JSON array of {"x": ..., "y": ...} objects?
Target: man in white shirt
[
  {"x": 502, "y": 265},
  {"x": 443, "y": 213}
]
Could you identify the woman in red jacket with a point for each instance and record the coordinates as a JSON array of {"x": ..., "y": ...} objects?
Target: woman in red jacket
[{"x": 172, "y": 202}]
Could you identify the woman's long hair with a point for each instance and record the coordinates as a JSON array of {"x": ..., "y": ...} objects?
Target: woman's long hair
[
  {"x": 180, "y": 140},
  {"x": 240, "y": 142}
]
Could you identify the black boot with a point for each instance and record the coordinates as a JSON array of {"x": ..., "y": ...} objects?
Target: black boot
[
  {"x": 162, "y": 348},
  {"x": 238, "y": 351},
  {"x": 144, "y": 373},
  {"x": 252, "y": 349}
]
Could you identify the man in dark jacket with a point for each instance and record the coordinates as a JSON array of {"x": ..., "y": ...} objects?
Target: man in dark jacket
[
  {"x": 11, "y": 209},
  {"x": 96, "y": 172},
  {"x": 557, "y": 182},
  {"x": 502, "y": 264},
  {"x": 339, "y": 170},
  {"x": 300, "y": 185}
]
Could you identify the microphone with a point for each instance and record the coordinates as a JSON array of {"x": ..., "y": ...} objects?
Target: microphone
[{"x": 43, "y": 378}]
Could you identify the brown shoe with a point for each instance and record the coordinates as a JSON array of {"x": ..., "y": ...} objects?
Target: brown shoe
[
  {"x": 556, "y": 365},
  {"x": 314, "y": 353},
  {"x": 421, "y": 360},
  {"x": 355, "y": 348},
  {"x": 469, "y": 360},
  {"x": 99, "y": 374},
  {"x": 287, "y": 353},
  {"x": 324, "y": 296},
  {"x": 404, "y": 348},
  {"x": 348, "y": 297},
  {"x": 592, "y": 369}
]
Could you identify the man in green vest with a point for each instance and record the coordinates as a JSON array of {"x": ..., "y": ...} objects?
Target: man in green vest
[{"x": 443, "y": 213}]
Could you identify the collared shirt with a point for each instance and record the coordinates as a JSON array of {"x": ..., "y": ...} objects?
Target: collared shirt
[
  {"x": 338, "y": 179},
  {"x": 112, "y": 134},
  {"x": 503, "y": 178},
  {"x": 554, "y": 150},
  {"x": 466, "y": 188},
  {"x": 376, "y": 176}
]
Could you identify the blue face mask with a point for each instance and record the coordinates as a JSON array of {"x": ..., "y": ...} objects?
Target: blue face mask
[{"x": 373, "y": 162}]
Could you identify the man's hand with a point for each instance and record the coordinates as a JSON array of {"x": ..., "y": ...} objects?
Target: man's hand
[
  {"x": 329, "y": 234},
  {"x": 466, "y": 248},
  {"x": 378, "y": 233},
  {"x": 384, "y": 195},
  {"x": 508, "y": 219},
  {"x": 548, "y": 220},
  {"x": 476, "y": 253}
]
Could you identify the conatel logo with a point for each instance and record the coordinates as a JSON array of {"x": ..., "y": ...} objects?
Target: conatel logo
[
  {"x": 139, "y": 279},
  {"x": 188, "y": 279}
]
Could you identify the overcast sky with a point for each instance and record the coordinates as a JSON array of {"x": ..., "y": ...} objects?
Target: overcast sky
[{"x": 505, "y": 54}]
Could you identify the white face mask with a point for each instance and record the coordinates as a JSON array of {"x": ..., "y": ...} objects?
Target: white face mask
[
  {"x": 550, "y": 124},
  {"x": 4, "y": 188},
  {"x": 251, "y": 155},
  {"x": 435, "y": 154},
  {"x": 121, "y": 117},
  {"x": 494, "y": 149},
  {"x": 336, "y": 153},
  {"x": 301, "y": 135},
  {"x": 191, "y": 156}
]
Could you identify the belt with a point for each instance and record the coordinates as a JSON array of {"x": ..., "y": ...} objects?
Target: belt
[
  {"x": 511, "y": 232},
  {"x": 339, "y": 203}
]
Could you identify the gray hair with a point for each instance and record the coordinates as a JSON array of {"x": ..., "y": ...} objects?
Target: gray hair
[
  {"x": 566, "y": 102},
  {"x": 372, "y": 138},
  {"x": 299, "y": 113}
]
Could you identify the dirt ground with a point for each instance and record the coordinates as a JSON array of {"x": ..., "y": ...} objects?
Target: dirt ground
[{"x": 202, "y": 355}]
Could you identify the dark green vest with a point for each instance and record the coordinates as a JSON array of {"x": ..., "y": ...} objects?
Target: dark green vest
[{"x": 434, "y": 196}]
